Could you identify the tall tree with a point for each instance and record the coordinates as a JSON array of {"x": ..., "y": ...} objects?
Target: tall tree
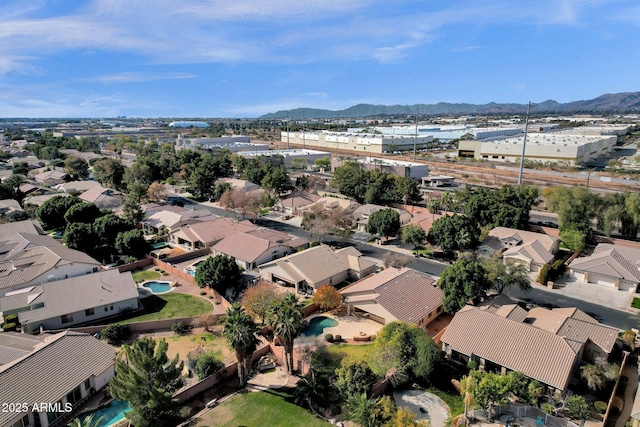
[
  {"x": 147, "y": 379},
  {"x": 374, "y": 412},
  {"x": 286, "y": 319},
  {"x": 220, "y": 272},
  {"x": 385, "y": 222},
  {"x": 462, "y": 282},
  {"x": 277, "y": 181},
  {"x": 258, "y": 298},
  {"x": 53, "y": 210},
  {"x": 77, "y": 167},
  {"x": 413, "y": 234},
  {"x": 327, "y": 297},
  {"x": 239, "y": 330},
  {"x": 354, "y": 377},
  {"x": 454, "y": 233},
  {"x": 109, "y": 172},
  {"x": 503, "y": 275},
  {"x": 82, "y": 212},
  {"x": 132, "y": 243}
]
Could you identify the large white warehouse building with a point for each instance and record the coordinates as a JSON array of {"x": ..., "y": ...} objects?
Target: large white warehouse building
[
  {"x": 369, "y": 143},
  {"x": 543, "y": 147}
]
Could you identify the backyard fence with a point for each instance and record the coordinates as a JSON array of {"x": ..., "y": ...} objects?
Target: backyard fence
[
  {"x": 141, "y": 327},
  {"x": 522, "y": 411}
]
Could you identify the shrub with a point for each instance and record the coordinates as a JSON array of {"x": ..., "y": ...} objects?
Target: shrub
[
  {"x": 577, "y": 407},
  {"x": 9, "y": 327},
  {"x": 11, "y": 318},
  {"x": 329, "y": 337},
  {"x": 547, "y": 408},
  {"x": 203, "y": 293},
  {"x": 543, "y": 275},
  {"x": 208, "y": 364},
  {"x": 472, "y": 365},
  {"x": 179, "y": 328},
  {"x": 115, "y": 334},
  {"x": 337, "y": 338},
  {"x": 600, "y": 406}
]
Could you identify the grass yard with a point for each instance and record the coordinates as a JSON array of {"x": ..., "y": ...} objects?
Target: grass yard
[
  {"x": 169, "y": 306},
  {"x": 257, "y": 409},
  {"x": 359, "y": 352},
  {"x": 141, "y": 276},
  {"x": 635, "y": 303},
  {"x": 184, "y": 344}
]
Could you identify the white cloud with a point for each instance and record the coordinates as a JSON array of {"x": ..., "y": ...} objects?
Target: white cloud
[{"x": 137, "y": 77}]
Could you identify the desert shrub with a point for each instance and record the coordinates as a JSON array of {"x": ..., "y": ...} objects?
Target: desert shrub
[
  {"x": 179, "y": 328},
  {"x": 115, "y": 334},
  {"x": 600, "y": 406},
  {"x": 328, "y": 337}
]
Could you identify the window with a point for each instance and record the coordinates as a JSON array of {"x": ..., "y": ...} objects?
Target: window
[
  {"x": 66, "y": 318},
  {"x": 439, "y": 309},
  {"x": 430, "y": 314},
  {"x": 24, "y": 422},
  {"x": 111, "y": 307},
  {"x": 106, "y": 308},
  {"x": 89, "y": 312},
  {"x": 87, "y": 384}
]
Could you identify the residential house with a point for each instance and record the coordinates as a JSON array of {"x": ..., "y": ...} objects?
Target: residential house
[
  {"x": 32, "y": 190},
  {"x": 612, "y": 266},
  {"x": 292, "y": 203},
  {"x": 70, "y": 302},
  {"x": 104, "y": 198},
  {"x": 77, "y": 186},
  {"x": 50, "y": 178},
  {"x": 528, "y": 248},
  {"x": 63, "y": 369},
  {"x": 11, "y": 210},
  {"x": 31, "y": 259},
  {"x": 254, "y": 248},
  {"x": 394, "y": 294},
  {"x": 170, "y": 219},
  {"x": 501, "y": 336},
  {"x": 200, "y": 235},
  {"x": 306, "y": 271},
  {"x": 330, "y": 204},
  {"x": 239, "y": 184},
  {"x": 362, "y": 213}
]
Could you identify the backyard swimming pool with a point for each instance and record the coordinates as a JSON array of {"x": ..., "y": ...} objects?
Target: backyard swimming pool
[
  {"x": 158, "y": 287},
  {"x": 317, "y": 324},
  {"x": 112, "y": 413}
]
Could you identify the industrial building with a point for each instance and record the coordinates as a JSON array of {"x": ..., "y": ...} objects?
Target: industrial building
[
  {"x": 543, "y": 147},
  {"x": 233, "y": 144},
  {"x": 413, "y": 170},
  {"x": 443, "y": 133},
  {"x": 297, "y": 158},
  {"x": 369, "y": 143}
]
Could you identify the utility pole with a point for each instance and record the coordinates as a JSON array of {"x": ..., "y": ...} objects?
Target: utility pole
[
  {"x": 524, "y": 144},
  {"x": 288, "y": 145},
  {"x": 304, "y": 125},
  {"x": 415, "y": 138}
]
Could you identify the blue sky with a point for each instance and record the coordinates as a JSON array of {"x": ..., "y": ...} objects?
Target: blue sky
[{"x": 244, "y": 58}]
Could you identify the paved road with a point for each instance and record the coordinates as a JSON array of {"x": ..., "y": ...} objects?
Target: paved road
[
  {"x": 539, "y": 296},
  {"x": 610, "y": 316}
]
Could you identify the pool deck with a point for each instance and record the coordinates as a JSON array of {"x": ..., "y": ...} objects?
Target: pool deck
[{"x": 350, "y": 326}]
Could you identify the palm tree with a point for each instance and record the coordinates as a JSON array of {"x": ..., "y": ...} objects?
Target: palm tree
[
  {"x": 239, "y": 331},
  {"x": 463, "y": 239},
  {"x": 87, "y": 422},
  {"x": 629, "y": 339},
  {"x": 286, "y": 319},
  {"x": 362, "y": 410},
  {"x": 312, "y": 389},
  {"x": 592, "y": 374}
]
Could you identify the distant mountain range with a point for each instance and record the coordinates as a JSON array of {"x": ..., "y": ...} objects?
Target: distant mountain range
[{"x": 611, "y": 102}]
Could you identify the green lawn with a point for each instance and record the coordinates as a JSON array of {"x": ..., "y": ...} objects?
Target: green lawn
[
  {"x": 635, "y": 303},
  {"x": 360, "y": 352},
  {"x": 273, "y": 407},
  {"x": 169, "y": 306},
  {"x": 141, "y": 276}
]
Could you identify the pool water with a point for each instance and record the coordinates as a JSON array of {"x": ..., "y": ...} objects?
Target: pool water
[
  {"x": 157, "y": 287},
  {"x": 317, "y": 324},
  {"x": 113, "y": 413}
]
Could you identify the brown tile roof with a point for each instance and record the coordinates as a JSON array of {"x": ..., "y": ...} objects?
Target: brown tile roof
[
  {"x": 298, "y": 199},
  {"x": 215, "y": 230},
  {"x": 608, "y": 263},
  {"x": 534, "y": 251},
  {"x": 514, "y": 345},
  {"x": 54, "y": 367},
  {"x": 251, "y": 245},
  {"x": 408, "y": 295}
]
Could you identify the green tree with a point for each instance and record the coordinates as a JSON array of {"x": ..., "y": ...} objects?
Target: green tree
[
  {"x": 20, "y": 168},
  {"x": 82, "y": 212},
  {"x": 504, "y": 275},
  {"x": 385, "y": 223},
  {"x": 453, "y": 233},
  {"x": 147, "y": 379},
  {"x": 207, "y": 365},
  {"x": 109, "y": 172},
  {"x": 77, "y": 167},
  {"x": 408, "y": 189},
  {"x": 366, "y": 412},
  {"x": 108, "y": 227},
  {"x": 577, "y": 407},
  {"x": 413, "y": 234},
  {"x": 87, "y": 422},
  {"x": 351, "y": 180},
  {"x": 354, "y": 377},
  {"x": 488, "y": 389},
  {"x": 132, "y": 211},
  {"x": 286, "y": 319},
  {"x": 323, "y": 163},
  {"x": 80, "y": 236},
  {"x": 239, "y": 330},
  {"x": 53, "y": 210},
  {"x": 573, "y": 239},
  {"x": 277, "y": 181},
  {"x": 220, "y": 272},
  {"x": 132, "y": 243},
  {"x": 406, "y": 349},
  {"x": 219, "y": 190},
  {"x": 462, "y": 282},
  {"x": 313, "y": 389}
]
